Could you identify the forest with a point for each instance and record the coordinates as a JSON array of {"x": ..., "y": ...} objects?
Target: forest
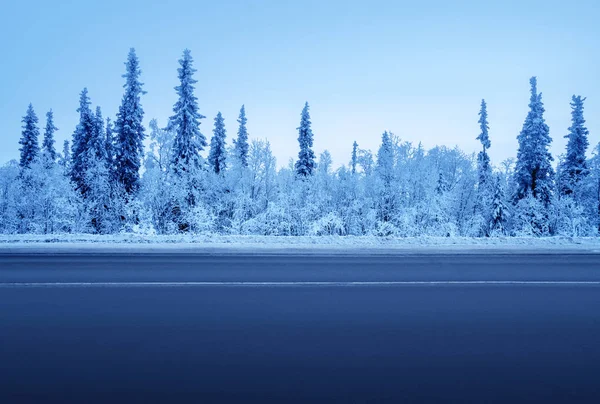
[{"x": 117, "y": 176}]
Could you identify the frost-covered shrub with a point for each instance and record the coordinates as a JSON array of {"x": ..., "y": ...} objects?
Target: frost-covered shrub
[{"x": 329, "y": 225}]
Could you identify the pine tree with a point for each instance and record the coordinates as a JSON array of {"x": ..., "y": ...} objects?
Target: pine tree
[
  {"x": 499, "y": 209},
  {"x": 216, "y": 157},
  {"x": 129, "y": 129},
  {"x": 385, "y": 159},
  {"x": 306, "y": 157},
  {"x": 109, "y": 145},
  {"x": 534, "y": 172},
  {"x": 186, "y": 121},
  {"x": 483, "y": 160},
  {"x": 241, "y": 143},
  {"x": 385, "y": 171},
  {"x": 574, "y": 167},
  {"x": 98, "y": 140},
  {"x": 48, "y": 143},
  {"x": 29, "y": 138},
  {"x": 354, "y": 160},
  {"x": 66, "y": 156},
  {"x": 84, "y": 132}
]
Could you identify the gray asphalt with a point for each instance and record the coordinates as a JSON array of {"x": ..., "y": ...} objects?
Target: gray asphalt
[{"x": 285, "y": 328}]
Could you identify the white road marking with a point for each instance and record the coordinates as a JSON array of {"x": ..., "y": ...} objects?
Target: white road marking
[{"x": 291, "y": 284}]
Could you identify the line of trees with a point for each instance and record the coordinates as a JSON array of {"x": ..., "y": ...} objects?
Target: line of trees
[{"x": 106, "y": 182}]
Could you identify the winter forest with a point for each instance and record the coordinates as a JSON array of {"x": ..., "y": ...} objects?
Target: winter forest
[{"x": 116, "y": 176}]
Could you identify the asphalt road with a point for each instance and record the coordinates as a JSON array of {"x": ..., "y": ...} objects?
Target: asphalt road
[{"x": 199, "y": 328}]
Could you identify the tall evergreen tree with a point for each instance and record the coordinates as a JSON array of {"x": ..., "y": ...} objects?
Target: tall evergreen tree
[
  {"x": 499, "y": 209},
  {"x": 241, "y": 143},
  {"x": 354, "y": 160},
  {"x": 483, "y": 159},
  {"x": 574, "y": 166},
  {"x": 189, "y": 141},
  {"x": 385, "y": 159},
  {"x": 129, "y": 129},
  {"x": 533, "y": 172},
  {"x": 98, "y": 141},
  {"x": 29, "y": 138},
  {"x": 82, "y": 137},
  {"x": 66, "y": 156},
  {"x": 216, "y": 157},
  {"x": 48, "y": 143},
  {"x": 109, "y": 144},
  {"x": 306, "y": 157}
]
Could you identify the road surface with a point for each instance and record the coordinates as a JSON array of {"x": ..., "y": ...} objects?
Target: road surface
[{"x": 285, "y": 328}]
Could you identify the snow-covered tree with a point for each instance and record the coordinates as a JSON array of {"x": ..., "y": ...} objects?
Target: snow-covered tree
[
  {"x": 574, "y": 166},
  {"x": 385, "y": 173},
  {"x": 217, "y": 155},
  {"x": 241, "y": 143},
  {"x": 48, "y": 144},
  {"x": 129, "y": 131},
  {"x": 483, "y": 160},
  {"x": 306, "y": 157},
  {"x": 98, "y": 140},
  {"x": 185, "y": 123},
  {"x": 499, "y": 209},
  {"x": 354, "y": 160},
  {"x": 533, "y": 172},
  {"x": 109, "y": 146},
  {"x": 82, "y": 137},
  {"x": 65, "y": 160},
  {"x": 29, "y": 138}
]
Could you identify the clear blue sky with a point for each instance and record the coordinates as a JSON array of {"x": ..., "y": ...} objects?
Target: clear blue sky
[{"x": 417, "y": 68}]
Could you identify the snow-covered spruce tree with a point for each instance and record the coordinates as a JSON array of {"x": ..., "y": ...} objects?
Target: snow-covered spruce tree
[
  {"x": 65, "y": 160},
  {"x": 385, "y": 173},
  {"x": 187, "y": 145},
  {"x": 81, "y": 142},
  {"x": 98, "y": 140},
  {"x": 499, "y": 209},
  {"x": 48, "y": 149},
  {"x": 109, "y": 147},
  {"x": 483, "y": 160},
  {"x": 189, "y": 141},
  {"x": 354, "y": 160},
  {"x": 217, "y": 155},
  {"x": 241, "y": 143},
  {"x": 484, "y": 173},
  {"x": 306, "y": 157},
  {"x": 129, "y": 131},
  {"x": 533, "y": 172},
  {"x": 574, "y": 166},
  {"x": 29, "y": 138}
]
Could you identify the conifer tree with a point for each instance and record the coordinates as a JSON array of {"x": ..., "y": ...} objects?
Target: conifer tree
[
  {"x": 306, "y": 157},
  {"x": 574, "y": 166},
  {"x": 189, "y": 141},
  {"x": 533, "y": 171},
  {"x": 66, "y": 156},
  {"x": 98, "y": 141},
  {"x": 354, "y": 160},
  {"x": 483, "y": 160},
  {"x": 129, "y": 129},
  {"x": 82, "y": 138},
  {"x": 48, "y": 143},
  {"x": 499, "y": 209},
  {"x": 385, "y": 159},
  {"x": 109, "y": 145},
  {"x": 241, "y": 143},
  {"x": 29, "y": 138},
  {"x": 216, "y": 157}
]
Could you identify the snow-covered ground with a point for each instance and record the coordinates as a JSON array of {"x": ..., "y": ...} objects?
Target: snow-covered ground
[{"x": 273, "y": 244}]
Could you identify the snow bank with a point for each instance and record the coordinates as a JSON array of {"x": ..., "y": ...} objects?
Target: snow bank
[{"x": 299, "y": 244}]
